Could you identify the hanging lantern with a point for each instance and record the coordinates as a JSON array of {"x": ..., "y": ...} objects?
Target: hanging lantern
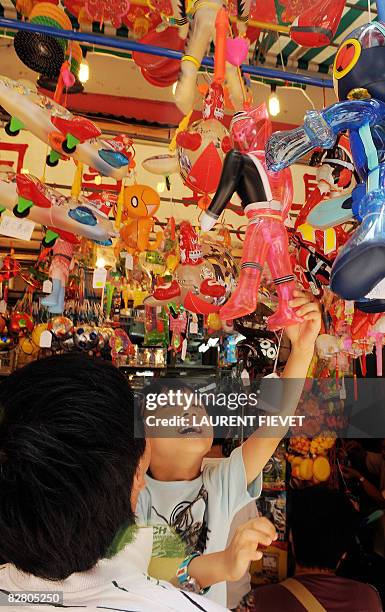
[{"x": 39, "y": 52}]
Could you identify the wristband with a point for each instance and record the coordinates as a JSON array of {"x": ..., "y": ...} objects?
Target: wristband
[{"x": 185, "y": 581}]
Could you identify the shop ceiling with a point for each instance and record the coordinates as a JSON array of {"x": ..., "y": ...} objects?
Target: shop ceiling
[{"x": 273, "y": 47}]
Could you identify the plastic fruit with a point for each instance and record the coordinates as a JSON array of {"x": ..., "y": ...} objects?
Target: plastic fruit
[
  {"x": 300, "y": 445},
  {"x": 306, "y": 469},
  {"x": 295, "y": 472},
  {"x": 296, "y": 461},
  {"x": 37, "y": 332},
  {"x": 321, "y": 444},
  {"x": 321, "y": 469},
  {"x": 28, "y": 346}
]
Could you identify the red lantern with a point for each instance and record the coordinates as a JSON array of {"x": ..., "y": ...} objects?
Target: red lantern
[
  {"x": 112, "y": 11},
  {"x": 20, "y": 324},
  {"x": 317, "y": 26},
  {"x": 160, "y": 71}
]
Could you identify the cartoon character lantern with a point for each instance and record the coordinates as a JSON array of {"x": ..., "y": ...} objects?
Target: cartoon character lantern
[
  {"x": 316, "y": 249},
  {"x": 200, "y": 149},
  {"x": 198, "y": 284},
  {"x": 266, "y": 198},
  {"x": 209, "y": 22},
  {"x": 360, "y": 86},
  {"x": 140, "y": 204},
  {"x": 317, "y": 24},
  {"x": 61, "y": 265}
]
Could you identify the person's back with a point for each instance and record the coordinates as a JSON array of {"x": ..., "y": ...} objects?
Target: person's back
[
  {"x": 322, "y": 524},
  {"x": 332, "y": 592},
  {"x": 72, "y": 464}
]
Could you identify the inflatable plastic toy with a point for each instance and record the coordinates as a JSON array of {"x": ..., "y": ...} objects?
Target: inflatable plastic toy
[
  {"x": 61, "y": 328},
  {"x": 203, "y": 29},
  {"x": 358, "y": 72},
  {"x": 156, "y": 327},
  {"x": 141, "y": 20},
  {"x": 112, "y": 11},
  {"x": 160, "y": 71},
  {"x": 9, "y": 267},
  {"x": 316, "y": 249},
  {"x": 23, "y": 194},
  {"x": 256, "y": 9},
  {"x": 203, "y": 279},
  {"x": 86, "y": 337},
  {"x": 328, "y": 206},
  {"x": 200, "y": 149},
  {"x": 266, "y": 198},
  {"x": 20, "y": 324},
  {"x": 120, "y": 344},
  {"x": 317, "y": 25},
  {"x": 59, "y": 272},
  {"x": 67, "y": 134},
  {"x": 140, "y": 204}
]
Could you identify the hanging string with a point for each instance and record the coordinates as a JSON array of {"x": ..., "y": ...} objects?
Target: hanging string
[
  {"x": 369, "y": 11},
  {"x": 280, "y": 52},
  {"x": 47, "y": 152},
  {"x": 279, "y": 337}
]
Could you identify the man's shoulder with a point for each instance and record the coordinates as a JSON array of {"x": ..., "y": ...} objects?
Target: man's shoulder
[
  {"x": 129, "y": 596},
  {"x": 362, "y": 595},
  {"x": 368, "y": 592},
  {"x": 169, "y": 597}
]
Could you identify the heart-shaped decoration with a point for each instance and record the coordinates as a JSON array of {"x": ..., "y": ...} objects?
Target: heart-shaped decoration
[
  {"x": 236, "y": 50},
  {"x": 68, "y": 78}
]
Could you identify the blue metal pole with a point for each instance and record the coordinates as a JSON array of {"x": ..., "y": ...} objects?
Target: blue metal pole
[
  {"x": 381, "y": 10},
  {"x": 132, "y": 45}
]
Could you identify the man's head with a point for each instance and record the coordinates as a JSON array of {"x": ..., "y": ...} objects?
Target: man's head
[
  {"x": 71, "y": 467},
  {"x": 322, "y": 527}
]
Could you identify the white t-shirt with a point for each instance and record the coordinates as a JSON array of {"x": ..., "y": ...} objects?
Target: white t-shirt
[
  {"x": 119, "y": 584},
  {"x": 237, "y": 590},
  {"x": 195, "y": 515}
]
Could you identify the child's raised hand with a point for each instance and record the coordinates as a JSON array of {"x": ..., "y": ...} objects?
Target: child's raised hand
[
  {"x": 304, "y": 335},
  {"x": 245, "y": 546}
]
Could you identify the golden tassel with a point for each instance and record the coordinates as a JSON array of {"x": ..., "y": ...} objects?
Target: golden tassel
[{"x": 183, "y": 125}]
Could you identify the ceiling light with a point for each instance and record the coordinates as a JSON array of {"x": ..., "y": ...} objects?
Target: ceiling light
[
  {"x": 274, "y": 105},
  {"x": 84, "y": 71}
]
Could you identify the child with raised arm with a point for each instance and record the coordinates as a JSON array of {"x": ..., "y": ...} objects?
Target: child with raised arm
[{"x": 190, "y": 508}]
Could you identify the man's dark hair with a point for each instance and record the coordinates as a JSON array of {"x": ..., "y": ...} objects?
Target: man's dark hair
[
  {"x": 322, "y": 526},
  {"x": 68, "y": 456}
]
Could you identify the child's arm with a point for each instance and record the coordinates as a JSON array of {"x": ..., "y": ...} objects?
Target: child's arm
[
  {"x": 231, "y": 564},
  {"x": 259, "y": 447}
]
